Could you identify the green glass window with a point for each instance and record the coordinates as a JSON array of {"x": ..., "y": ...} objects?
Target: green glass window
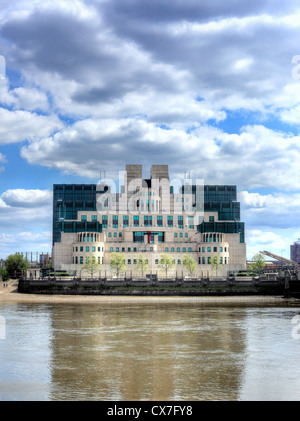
[
  {"x": 180, "y": 221},
  {"x": 136, "y": 221},
  {"x": 148, "y": 221},
  {"x": 83, "y": 217},
  {"x": 94, "y": 217},
  {"x": 104, "y": 221},
  {"x": 125, "y": 221},
  {"x": 115, "y": 221},
  {"x": 159, "y": 221}
]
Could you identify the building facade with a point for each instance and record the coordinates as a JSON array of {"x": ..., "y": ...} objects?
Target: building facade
[
  {"x": 149, "y": 217},
  {"x": 295, "y": 251}
]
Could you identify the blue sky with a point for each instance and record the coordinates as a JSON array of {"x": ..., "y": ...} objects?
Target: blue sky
[{"x": 93, "y": 85}]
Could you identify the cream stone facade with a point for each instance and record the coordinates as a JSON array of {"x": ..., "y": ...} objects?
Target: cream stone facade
[{"x": 149, "y": 218}]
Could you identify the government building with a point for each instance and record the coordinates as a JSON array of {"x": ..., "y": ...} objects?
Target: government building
[{"x": 151, "y": 216}]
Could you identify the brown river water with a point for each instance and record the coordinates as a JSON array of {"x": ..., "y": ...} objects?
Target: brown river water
[{"x": 171, "y": 350}]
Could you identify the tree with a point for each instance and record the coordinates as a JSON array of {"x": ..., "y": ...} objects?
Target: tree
[
  {"x": 142, "y": 264},
  {"x": 166, "y": 262},
  {"x": 258, "y": 262},
  {"x": 189, "y": 264},
  {"x": 16, "y": 263},
  {"x": 91, "y": 266},
  {"x": 215, "y": 263},
  {"x": 117, "y": 263},
  {"x": 3, "y": 274}
]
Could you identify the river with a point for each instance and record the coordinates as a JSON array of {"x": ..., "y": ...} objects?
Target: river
[{"x": 154, "y": 351}]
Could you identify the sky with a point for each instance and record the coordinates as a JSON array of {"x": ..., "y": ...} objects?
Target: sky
[{"x": 209, "y": 87}]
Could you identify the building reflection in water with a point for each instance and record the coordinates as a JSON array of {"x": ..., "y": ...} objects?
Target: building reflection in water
[{"x": 141, "y": 351}]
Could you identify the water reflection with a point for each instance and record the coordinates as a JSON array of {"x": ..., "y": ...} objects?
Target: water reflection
[
  {"x": 147, "y": 352},
  {"x": 118, "y": 351}
]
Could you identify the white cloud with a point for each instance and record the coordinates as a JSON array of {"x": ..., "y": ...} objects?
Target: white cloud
[
  {"x": 26, "y": 198},
  {"x": 17, "y": 126}
]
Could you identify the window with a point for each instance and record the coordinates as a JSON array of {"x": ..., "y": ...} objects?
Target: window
[
  {"x": 134, "y": 249},
  {"x": 111, "y": 249},
  {"x": 136, "y": 221},
  {"x": 94, "y": 217},
  {"x": 209, "y": 260},
  {"x": 104, "y": 221},
  {"x": 156, "y": 261},
  {"x": 148, "y": 221},
  {"x": 109, "y": 234},
  {"x": 181, "y": 234},
  {"x": 180, "y": 221},
  {"x": 221, "y": 260},
  {"x": 129, "y": 249},
  {"x": 123, "y": 249},
  {"x": 178, "y": 261},
  {"x": 115, "y": 221},
  {"x": 186, "y": 234},
  {"x": 99, "y": 249},
  {"x": 115, "y": 234},
  {"x": 167, "y": 249},
  {"x": 172, "y": 249},
  {"x": 93, "y": 248},
  {"x": 125, "y": 221},
  {"x": 209, "y": 249},
  {"x": 190, "y": 249},
  {"x": 87, "y": 248},
  {"x": 184, "y": 249},
  {"x": 120, "y": 234},
  {"x": 203, "y": 260},
  {"x": 117, "y": 249},
  {"x": 83, "y": 217},
  {"x": 81, "y": 260},
  {"x": 203, "y": 249},
  {"x": 159, "y": 221},
  {"x": 98, "y": 260},
  {"x": 129, "y": 261},
  {"x": 191, "y": 222},
  {"x": 215, "y": 249},
  {"x": 178, "y": 248},
  {"x": 211, "y": 219},
  {"x": 81, "y": 248},
  {"x": 134, "y": 261},
  {"x": 170, "y": 221},
  {"x": 225, "y": 261},
  {"x": 221, "y": 249},
  {"x": 175, "y": 234}
]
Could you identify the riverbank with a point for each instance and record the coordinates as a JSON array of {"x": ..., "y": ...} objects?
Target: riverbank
[{"x": 10, "y": 294}]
